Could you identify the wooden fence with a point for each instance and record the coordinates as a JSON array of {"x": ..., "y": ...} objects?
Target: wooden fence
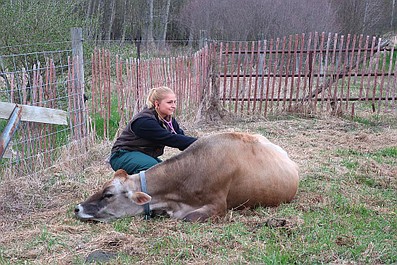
[
  {"x": 307, "y": 73},
  {"x": 125, "y": 83},
  {"x": 310, "y": 73}
]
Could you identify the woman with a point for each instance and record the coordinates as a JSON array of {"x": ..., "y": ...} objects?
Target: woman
[{"x": 143, "y": 140}]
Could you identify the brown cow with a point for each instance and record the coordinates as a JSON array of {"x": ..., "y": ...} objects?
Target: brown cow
[{"x": 217, "y": 172}]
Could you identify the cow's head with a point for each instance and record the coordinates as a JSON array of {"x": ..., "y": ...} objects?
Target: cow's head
[{"x": 119, "y": 197}]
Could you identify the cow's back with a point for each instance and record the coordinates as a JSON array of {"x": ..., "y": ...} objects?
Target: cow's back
[{"x": 263, "y": 175}]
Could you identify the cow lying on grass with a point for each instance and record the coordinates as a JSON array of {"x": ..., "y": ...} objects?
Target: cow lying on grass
[{"x": 216, "y": 173}]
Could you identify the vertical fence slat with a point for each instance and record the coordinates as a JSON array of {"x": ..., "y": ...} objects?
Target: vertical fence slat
[
  {"x": 337, "y": 101},
  {"x": 269, "y": 73},
  {"x": 300, "y": 63},
  {"x": 369, "y": 71},
  {"x": 375, "y": 57},
  {"x": 350, "y": 72},
  {"x": 364, "y": 70},
  {"x": 109, "y": 95},
  {"x": 250, "y": 76},
  {"x": 394, "y": 84},
  {"x": 275, "y": 73},
  {"x": 294, "y": 61},
  {"x": 332, "y": 96},
  {"x": 93, "y": 83},
  {"x": 244, "y": 73},
  {"x": 320, "y": 72},
  {"x": 256, "y": 76},
  {"x": 306, "y": 74},
  {"x": 264, "y": 66},
  {"x": 280, "y": 72},
  {"x": 232, "y": 74},
  {"x": 238, "y": 76},
  {"x": 344, "y": 67},
  {"x": 358, "y": 57},
  {"x": 382, "y": 81},
  {"x": 389, "y": 87},
  {"x": 312, "y": 67},
  {"x": 287, "y": 72},
  {"x": 179, "y": 73},
  {"x": 225, "y": 67},
  {"x": 324, "y": 79}
]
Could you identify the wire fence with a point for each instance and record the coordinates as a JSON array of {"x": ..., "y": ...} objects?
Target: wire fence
[{"x": 43, "y": 79}]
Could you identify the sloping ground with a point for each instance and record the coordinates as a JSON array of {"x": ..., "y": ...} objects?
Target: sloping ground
[{"x": 349, "y": 182}]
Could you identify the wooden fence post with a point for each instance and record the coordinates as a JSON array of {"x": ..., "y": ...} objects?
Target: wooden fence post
[
  {"x": 77, "y": 52},
  {"x": 78, "y": 65}
]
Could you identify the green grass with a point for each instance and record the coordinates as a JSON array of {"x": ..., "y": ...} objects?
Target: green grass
[
  {"x": 389, "y": 59},
  {"x": 104, "y": 130},
  {"x": 122, "y": 225},
  {"x": 385, "y": 155},
  {"x": 370, "y": 122},
  {"x": 46, "y": 240},
  {"x": 343, "y": 232}
]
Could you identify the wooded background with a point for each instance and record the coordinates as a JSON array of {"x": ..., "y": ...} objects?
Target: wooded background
[
  {"x": 36, "y": 57},
  {"x": 43, "y": 21}
]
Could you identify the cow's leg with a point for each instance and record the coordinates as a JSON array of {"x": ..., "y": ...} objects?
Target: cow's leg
[
  {"x": 205, "y": 212},
  {"x": 196, "y": 216}
]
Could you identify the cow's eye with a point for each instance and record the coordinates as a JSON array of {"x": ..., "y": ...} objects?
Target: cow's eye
[{"x": 108, "y": 195}]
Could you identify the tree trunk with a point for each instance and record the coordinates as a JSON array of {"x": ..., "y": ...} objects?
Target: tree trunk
[
  {"x": 100, "y": 20},
  {"x": 88, "y": 19},
  {"x": 111, "y": 19},
  {"x": 365, "y": 17},
  {"x": 125, "y": 21},
  {"x": 210, "y": 110},
  {"x": 392, "y": 14},
  {"x": 165, "y": 21},
  {"x": 89, "y": 12},
  {"x": 149, "y": 35}
]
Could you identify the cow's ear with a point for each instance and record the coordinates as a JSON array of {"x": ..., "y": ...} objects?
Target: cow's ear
[
  {"x": 120, "y": 173},
  {"x": 140, "y": 198}
]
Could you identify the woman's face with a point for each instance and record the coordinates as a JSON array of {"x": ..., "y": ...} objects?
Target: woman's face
[{"x": 167, "y": 105}]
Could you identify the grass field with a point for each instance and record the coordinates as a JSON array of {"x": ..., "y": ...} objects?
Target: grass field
[{"x": 345, "y": 211}]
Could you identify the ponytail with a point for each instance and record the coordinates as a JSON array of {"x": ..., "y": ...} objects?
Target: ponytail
[{"x": 157, "y": 93}]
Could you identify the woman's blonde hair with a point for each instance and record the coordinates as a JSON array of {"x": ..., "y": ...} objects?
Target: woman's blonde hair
[{"x": 157, "y": 93}]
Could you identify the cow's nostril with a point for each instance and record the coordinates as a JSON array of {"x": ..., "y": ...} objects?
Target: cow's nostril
[{"x": 76, "y": 209}]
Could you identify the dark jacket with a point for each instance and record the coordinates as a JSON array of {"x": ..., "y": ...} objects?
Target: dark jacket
[{"x": 148, "y": 134}]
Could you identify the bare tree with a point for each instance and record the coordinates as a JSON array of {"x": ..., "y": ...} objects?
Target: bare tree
[
  {"x": 126, "y": 21},
  {"x": 360, "y": 16},
  {"x": 247, "y": 20},
  {"x": 149, "y": 30},
  {"x": 234, "y": 19},
  {"x": 165, "y": 20},
  {"x": 392, "y": 15},
  {"x": 111, "y": 18}
]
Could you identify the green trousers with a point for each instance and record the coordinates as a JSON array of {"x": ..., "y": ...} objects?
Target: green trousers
[{"x": 132, "y": 161}]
